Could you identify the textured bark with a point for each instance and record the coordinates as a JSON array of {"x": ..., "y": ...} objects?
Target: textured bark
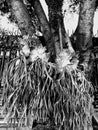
[
  {"x": 85, "y": 25},
  {"x": 60, "y": 36},
  {"x": 84, "y": 33},
  {"x": 21, "y": 14},
  {"x": 24, "y": 20},
  {"x": 45, "y": 28},
  {"x": 54, "y": 20},
  {"x": 42, "y": 18},
  {"x": 83, "y": 36}
]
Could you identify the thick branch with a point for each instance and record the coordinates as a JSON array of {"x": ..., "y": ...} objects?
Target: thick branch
[
  {"x": 42, "y": 18},
  {"x": 45, "y": 28},
  {"x": 56, "y": 22},
  {"x": 21, "y": 14},
  {"x": 85, "y": 25},
  {"x": 23, "y": 19}
]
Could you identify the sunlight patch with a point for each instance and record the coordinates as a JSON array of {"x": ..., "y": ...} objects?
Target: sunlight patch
[{"x": 7, "y": 26}]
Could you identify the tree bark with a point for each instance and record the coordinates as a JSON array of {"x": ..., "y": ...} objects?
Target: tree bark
[
  {"x": 60, "y": 36},
  {"x": 21, "y": 14},
  {"x": 85, "y": 25},
  {"x": 54, "y": 23},
  {"x": 42, "y": 18},
  {"x": 45, "y": 28},
  {"x": 24, "y": 20},
  {"x": 84, "y": 33}
]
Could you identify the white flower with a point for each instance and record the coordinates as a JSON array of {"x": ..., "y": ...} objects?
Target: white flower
[
  {"x": 63, "y": 59},
  {"x": 26, "y": 50},
  {"x": 39, "y": 52},
  {"x": 66, "y": 60}
]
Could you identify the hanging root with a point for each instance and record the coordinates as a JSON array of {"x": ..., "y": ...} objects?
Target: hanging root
[{"x": 46, "y": 92}]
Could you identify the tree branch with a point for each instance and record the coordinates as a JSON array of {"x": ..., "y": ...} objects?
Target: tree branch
[
  {"x": 21, "y": 14},
  {"x": 45, "y": 28},
  {"x": 23, "y": 19},
  {"x": 56, "y": 19}
]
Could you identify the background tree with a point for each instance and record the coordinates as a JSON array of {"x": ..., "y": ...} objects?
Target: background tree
[{"x": 84, "y": 32}]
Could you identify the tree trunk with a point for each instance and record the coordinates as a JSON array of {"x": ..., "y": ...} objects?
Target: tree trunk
[
  {"x": 21, "y": 14},
  {"x": 23, "y": 19},
  {"x": 84, "y": 33},
  {"x": 54, "y": 20},
  {"x": 60, "y": 36},
  {"x": 45, "y": 28},
  {"x": 85, "y": 25}
]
